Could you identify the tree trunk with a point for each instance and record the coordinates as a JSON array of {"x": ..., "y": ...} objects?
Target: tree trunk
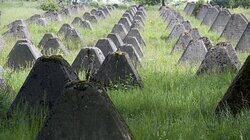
[{"x": 163, "y": 3}]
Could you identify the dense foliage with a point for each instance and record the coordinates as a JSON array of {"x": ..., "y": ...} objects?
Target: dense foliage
[
  {"x": 232, "y": 3},
  {"x": 50, "y": 5},
  {"x": 198, "y": 5},
  {"x": 148, "y": 2}
]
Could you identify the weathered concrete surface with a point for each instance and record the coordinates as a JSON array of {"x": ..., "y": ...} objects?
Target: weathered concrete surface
[
  {"x": 117, "y": 70},
  {"x": 221, "y": 21},
  {"x": 84, "y": 112},
  {"x": 235, "y": 28},
  {"x": 237, "y": 96},
  {"x": 44, "y": 84}
]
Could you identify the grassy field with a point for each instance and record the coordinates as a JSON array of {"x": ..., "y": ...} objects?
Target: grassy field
[{"x": 174, "y": 103}]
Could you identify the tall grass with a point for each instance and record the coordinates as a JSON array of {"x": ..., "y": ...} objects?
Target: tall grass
[
  {"x": 18, "y": 10},
  {"x": 22, "y": 126},
  {"x": 174, "y": 103}
]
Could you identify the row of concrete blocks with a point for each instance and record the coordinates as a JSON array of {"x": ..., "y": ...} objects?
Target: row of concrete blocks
[
  {"x": 18, "y": 29},
  {"x": 197, "y": 50},
  {"x": 233, "y": 27},
  {"x": 95, "y": 116},
  {"x": 24, "y": 53},
  {"x": 219, "y": 58}
]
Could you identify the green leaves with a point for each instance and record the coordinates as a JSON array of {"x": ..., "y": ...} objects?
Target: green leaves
[{"x": 49, "y": 5}]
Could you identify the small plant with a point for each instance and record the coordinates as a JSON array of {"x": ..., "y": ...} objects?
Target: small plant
[
  {"x": 49, "y": 5},
  {"x": 198, "y": 5}
]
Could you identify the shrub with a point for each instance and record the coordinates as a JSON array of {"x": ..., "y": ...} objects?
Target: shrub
[
  {"x": 237, "y": 3},
  {"x": 198, "y": 5},
  {"x": 222, "y": 3},
  {"x": 49, "y": 5},
  {"x": 232, "y": 3},
  {"x": 148, "y": 2}
]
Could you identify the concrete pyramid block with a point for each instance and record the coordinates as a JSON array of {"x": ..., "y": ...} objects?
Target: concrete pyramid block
[
  {"x": 65, "y": 28},
  {"x": 54, "y": 46},
  {"x": 125, "y": 21},
  {"x": 100, "y": 14},
  {"x": 186, "y": 24},
  {"x": 21, "y": 32},
  {"x": 34, "y": 17},
  {"x": 52, "y": 16},
  {"x": 195, "y": 33},
  {"x": 232, "y": 53},
  {"x": 136, "y": 33},
  {"x": 190, "y": 8},
  {"x": 142, "y": 9},
  {"x": 169, "y": 16},
  {"x": 134, "y": 42},
  {"x": 120, "y": 30},
  {"x": 116, "y": 39},
  {"x": 219, "y": 59},
  {"x": 136, "y": 24},
  {"x": 130, "y": 12},
  {"x": 37, "y": 19},
  {"x": 106, "y": 45},
  {"x": 65, "y": 12},
  {"x": 96, "y": 119},
  {"x": 235, "y": 28},
  {"x": 202, "y": 12},
  {"x": 208, "y": 44},
  {"x": 221, "y": 21},
  {"x": 102, "y": 9},
  {"x": 195, "y": 52},
  {"x": 211, "y": 16},
  {"x": 89, "y": 58},
  {"x": 86, "y": 15},
  {"x": 132, "y": 53},
  {"x": 82, "y": 23},
  {"x": 92, "y": 19},
  {"x": 76, "y": 21},
  {"x": 16, "y": 23},
  {"x": 127, "y": 15},
  {"x": 182, "y": 42},
  {"x": 89, "y": 17},
  {"x": 237, "y": 96},
  {"x": 73, "y": 35},
  {"x": 22, "y": 55},
  {"x": 93, "y": 11},
  {"x": 74, "y": 8},
  {"x": 179, "y": 16},
  {"x": 172, "y": 23},
  {"x": 106, "y": 11},
  {"x": 177, "y": 31},
  {"x": 139, "y": 18},
  {"x": 141, "y": 14},
  {"x": 45, "y": 38},
  {"x": 110, "y": 9},
  {"x": 117, "y": 69},
  {"x": 47, "y": 78},
  {"x": 18, "y": 29},
  {"x": 244, "y": 42}
]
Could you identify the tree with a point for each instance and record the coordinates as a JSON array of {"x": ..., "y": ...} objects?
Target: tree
[{"x": 163, "y": 3}]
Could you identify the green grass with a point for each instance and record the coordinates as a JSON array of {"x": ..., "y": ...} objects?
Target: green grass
[
  {"x": 174, "y": 103},
  {"x": 246, "y": 12},
  {"x": 18, "y": 10}
]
